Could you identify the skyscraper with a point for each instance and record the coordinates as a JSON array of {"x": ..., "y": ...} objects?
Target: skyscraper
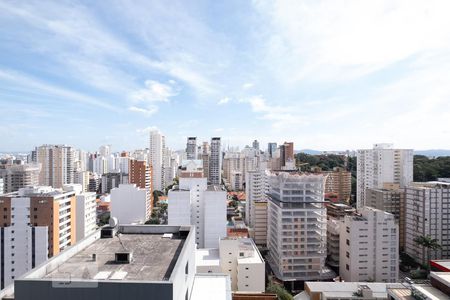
[
  {"x": 271, "y": 148},
  {"x": 380, "y": 165},
  {"x": 255, "y": 145},
  {"x": 157, "y": 145},
  {"x": 56, "y": 165},
  {"x": 215, "y": 162},
  {"x": 191, "y": 148}
]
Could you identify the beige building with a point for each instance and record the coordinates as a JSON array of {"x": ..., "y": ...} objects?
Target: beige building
[
  {"x": 391, "y": 198},
  {"x": 56, "y": 165},
  {"x": 17, "y": 176},
  {"x": 338, "y": 184}
]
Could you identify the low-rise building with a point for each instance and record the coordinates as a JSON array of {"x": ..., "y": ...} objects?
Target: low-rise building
[
  {"x": 346, "y": 290},
  {"x": 240, "y": 259},
  {"x": 125, "y": 262}
]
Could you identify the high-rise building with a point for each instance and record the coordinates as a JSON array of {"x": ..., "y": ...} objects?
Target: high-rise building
[
  {"x": 17, "y": 176},
  {"x": 110, "y": 181},
  {"x": 255, "y": 145},
  {"x": 380, "y": 165},
  {"x": 141, "y": 175},
  {"x": 335, "y": 219},
  {"x": 82, "y": 177},
  {"x": 130, "y": 204},
  {"x": 2, "y": 186},
  {"x": 157, "y": 144},
  {"x": 194, "y": 202},
  {"x": 296, "y": 231},
  {"x": 38, "y": 222},
  {"x": 105, "y": 150},
  {"x": 338, "y": 185},
  {"x": 215, "y": 162},
  {"x": 369, "y": 247},
  {"x": 191, "y": 148},
  {"x": 256, "y": 188},
  {"x": 56, "y": 165},
  {"x": 271, "y": 149},
  {"x": 390, "y": 198},
  {"x": 287, "y": 159},
  {"x": 426, "y": 214},
  {"x": 205, "y": 159},
  {"x": 86, "y": 210}
]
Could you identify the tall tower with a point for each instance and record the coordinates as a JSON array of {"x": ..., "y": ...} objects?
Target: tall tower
[
  {"x": 156, "y": 159},
  {"x": 380, "y": 165},
  {"x": 191, "y": 148},
  {"x": 56, "y": 165},
  {"x": 215, "y": 162}
]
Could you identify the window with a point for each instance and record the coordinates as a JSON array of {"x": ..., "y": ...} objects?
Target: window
[
  {"x": 347, "y": 242},
  {"x": 347, "y": 267}
]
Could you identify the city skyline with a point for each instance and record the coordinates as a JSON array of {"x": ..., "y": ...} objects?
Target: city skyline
[{"x": 286, "y": 71}]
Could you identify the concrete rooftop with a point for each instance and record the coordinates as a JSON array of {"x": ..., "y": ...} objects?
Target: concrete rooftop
[{"x": 154, "y": 258}]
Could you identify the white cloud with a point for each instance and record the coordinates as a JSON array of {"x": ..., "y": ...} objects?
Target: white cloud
[
  {"x": 146, "y": 111},
  {"x": 325, "y": 40},
  {"x": 34, "y": 86},
  {"x": 247, "y": 86},
  {"x": 223, "y": 101},
  {"x": 147, "y": 129},
  {"x": 154, "y": 91}
]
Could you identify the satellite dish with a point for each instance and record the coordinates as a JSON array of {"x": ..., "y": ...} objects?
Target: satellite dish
[{"x": 113, "y": 222}]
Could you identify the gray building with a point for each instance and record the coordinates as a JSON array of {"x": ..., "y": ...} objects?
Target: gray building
[
  {"x": 215, "y": 162},
  {"x": 271, "y": 149},
  {"x": 191, "y": 148},
  {"x": 125, "y": 262}
]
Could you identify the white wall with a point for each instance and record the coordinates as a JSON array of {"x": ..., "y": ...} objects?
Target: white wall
[
  {"x": 86, "y": 215},
  {"x": 128, "y": 204}
]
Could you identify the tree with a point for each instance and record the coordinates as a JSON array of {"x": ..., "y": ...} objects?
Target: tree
[
  {"x": 281, "y": 292},
  {"x": 429, "y": 244}
]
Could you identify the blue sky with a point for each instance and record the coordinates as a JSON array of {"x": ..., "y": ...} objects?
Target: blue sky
[{"x": 324, "y": 74}]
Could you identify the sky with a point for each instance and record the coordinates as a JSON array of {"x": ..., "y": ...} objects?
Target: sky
[{"x": 327, "y": 75}]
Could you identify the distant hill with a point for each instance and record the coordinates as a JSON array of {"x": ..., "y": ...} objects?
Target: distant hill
[
  {"x": 308, "y": 151},
  {"x": 437, "y": 152}
]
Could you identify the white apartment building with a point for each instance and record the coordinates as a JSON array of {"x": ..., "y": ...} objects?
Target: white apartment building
[
  {"x": 369, "y": 247},
  {"x": 427, "y": 212},
  {"x": 2, "y": 186},
  {"x": 56, "y": 165},
  {"x": 256, "y": 189},
  {"x": 380, "y": 165},
  {"x": 193, "y": 202},
  {"x": 237, "y": 257},
  {"x": 23, "y": 246},
  {"x": 86, "y": 216},
  {"x": 215, "y": 162},
  {"x": 296, "y": 231},
  {"x": 100, "y": 165},
  {"x": 155, "y": 158},
  {"x": 130, "y": 204},
  {"x": 82, "y": 178},
  {"x": 37, "y": 223}
]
